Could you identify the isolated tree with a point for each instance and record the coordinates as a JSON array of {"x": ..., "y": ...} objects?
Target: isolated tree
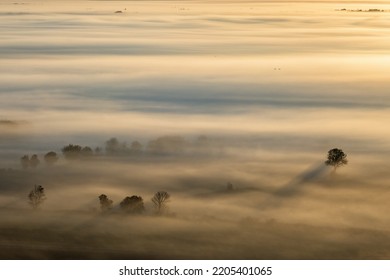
[
  {"x": 51, "y": 158},
  {"x": 160, "y": 200},
  {"x": 34, "y": 161},
  {"x": 336, "y": 158},
  {"x": 72, "y": 151},
  {"x": 25, "y": 161},
  {"x": 105, "y": 202},
  {"x": 133, "y": 205},
  {"x": 37, "y": 196}
]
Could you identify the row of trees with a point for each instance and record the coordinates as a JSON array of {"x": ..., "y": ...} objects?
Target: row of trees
[
  {"x": 336, "y": 157},
  {"x": 130, "y": 204},
  {"x": 32, "y": 162},
  {"x": 161, "y": 146},
  {"x": 50, "y": 158},
  {"x": 135, "y": 204},
  {"x": 165, "y": 145},
  {"x": 76, "y": 151}
]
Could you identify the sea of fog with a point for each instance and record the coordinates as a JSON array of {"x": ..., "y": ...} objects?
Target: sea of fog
[{"x": 218, "y": 94}]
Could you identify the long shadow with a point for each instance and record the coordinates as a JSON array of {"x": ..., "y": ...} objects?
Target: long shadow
[{"x": 296, "y": 185}]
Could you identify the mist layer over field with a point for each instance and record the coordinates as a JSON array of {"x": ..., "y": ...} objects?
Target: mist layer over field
[{"x": 242, "y": 93}]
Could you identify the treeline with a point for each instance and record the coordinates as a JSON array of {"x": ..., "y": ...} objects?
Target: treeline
[
  {"x": 130, "y": 204},
  {"x": 166, "y": 145}
]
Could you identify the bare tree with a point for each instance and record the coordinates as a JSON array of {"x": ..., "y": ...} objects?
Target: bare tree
[
  {"x": 133, "y": 205},
  {"x": 37, "y": 196},
  {"x": 160, "y": 200},
  {"x": 105, "y": 202},
  {"x": 336, "y": 158}
]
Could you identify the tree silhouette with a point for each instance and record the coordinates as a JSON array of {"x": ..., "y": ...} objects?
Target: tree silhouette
[
  {"x": 135, "y": 148},
  {"x": 114, "y": 147},
  {"x": 133, "y": 205},
  {"x": 167, "y": 145},
  {"x": 51, "y": 158},
  {"x": 336, "y": 158},
  {"x": 36, "y": 196},
  {"x": 25, "y": 161},
  {"x": 77, "y": 152},
  {"x": 105, "y": 202},
  {"x": 34, "y": 161},
  {"x": 160, "y": 200},
  {"x": 229, "y": 187},
  {"x": 86, "y": 151},
  {"x": 72, "y": 151}
]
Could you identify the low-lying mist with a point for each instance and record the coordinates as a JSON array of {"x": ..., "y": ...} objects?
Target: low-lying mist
[
  {"x": 223, "y": 205},
  {"x": 228, "y": 106}
]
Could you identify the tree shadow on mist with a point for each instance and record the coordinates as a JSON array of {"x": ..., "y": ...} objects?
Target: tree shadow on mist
[{"x": 314, "y": 173}]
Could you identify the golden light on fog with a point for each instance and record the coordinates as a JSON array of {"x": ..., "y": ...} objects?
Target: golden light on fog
[{"x": 234, "y": 106}]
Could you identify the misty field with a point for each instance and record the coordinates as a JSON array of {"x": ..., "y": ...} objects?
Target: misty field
[{"x": 230, "y": 107}]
